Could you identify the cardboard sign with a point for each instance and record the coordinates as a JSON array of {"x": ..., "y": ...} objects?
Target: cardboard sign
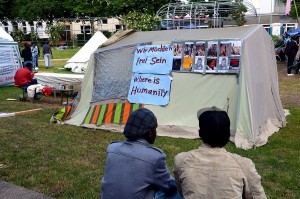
[
  {"x": 155, "y": 59},
  {"x": 149, "y": 89}
]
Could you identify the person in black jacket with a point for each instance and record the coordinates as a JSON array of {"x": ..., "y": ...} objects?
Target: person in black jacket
[
  {"x": 291, "y": 51},
  {"x": 26, "y": 54}
]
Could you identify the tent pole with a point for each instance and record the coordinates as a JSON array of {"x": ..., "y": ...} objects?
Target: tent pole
[{"x": 296, "y": 12}]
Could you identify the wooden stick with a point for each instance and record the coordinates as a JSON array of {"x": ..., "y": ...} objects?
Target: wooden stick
[{"x": 19, "y": 113}]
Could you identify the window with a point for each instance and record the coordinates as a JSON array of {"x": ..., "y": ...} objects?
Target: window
[
  {"x": 85, "y": 29},
  {"x": 25, "y": 29},
  {"x": 118, "y": 27},
  {"x": 104, "y": 21},
  {"x": 15, "y": 26}
]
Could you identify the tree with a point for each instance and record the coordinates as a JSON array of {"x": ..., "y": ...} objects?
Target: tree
[
  {"x": 18, "y": 35},
  {"x": 293, "y": 13},
  {"x": 54, "y": 32},
  {"x": 6, "y": 9},
  {"x": 83, "y": 8},
  {"x": 38, "y": 10},
  {"x": 138, "y": 21},
  {"x": 238, "y": 15},
  {"x": 122, "y": 7}
]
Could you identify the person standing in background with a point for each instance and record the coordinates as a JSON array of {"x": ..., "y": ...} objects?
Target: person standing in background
[
  {"x": 47, "y": 54},
  {"x": 35, "y": 56},
  {"x": 26, "y": 54},
  {"x": 291, "y": 51}
]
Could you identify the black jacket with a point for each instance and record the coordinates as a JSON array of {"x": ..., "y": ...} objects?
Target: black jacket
[{"x": 26, "y": 54}]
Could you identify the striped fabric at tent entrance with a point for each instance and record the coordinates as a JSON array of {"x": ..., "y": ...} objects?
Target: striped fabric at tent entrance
[{"x": 116, "y": 113}]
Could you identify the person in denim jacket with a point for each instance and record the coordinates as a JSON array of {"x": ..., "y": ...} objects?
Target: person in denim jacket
[{"x": 134, "y": 168}]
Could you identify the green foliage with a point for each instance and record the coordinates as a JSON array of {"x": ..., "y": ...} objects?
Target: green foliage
[
  {"x": 54, "y": 32},
  {"x": 139, "y": 21},
  {"x": 81, "y": 8},
  {"x": 239, "y": 15},
  {"x": 123, "y": 7},
  {"x": 33, "y": 10},
  {"x": 277, "y": 41},
  {"x": 5, "y": 9},
  {"x": 34, "y": 37},
  {"x": 107, "y": 34},
  {"x": 18, "y": 35}
]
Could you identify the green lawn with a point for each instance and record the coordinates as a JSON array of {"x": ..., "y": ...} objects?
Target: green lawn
[{"x": 65, "y": 161}]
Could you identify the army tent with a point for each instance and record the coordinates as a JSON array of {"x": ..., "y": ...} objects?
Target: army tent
[
  {"x": 250, "y": 95},
  {"x": 79, "y": 61},
  {"x": 10, "y": 58}
]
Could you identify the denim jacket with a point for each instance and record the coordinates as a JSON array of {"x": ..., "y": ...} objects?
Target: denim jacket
[{"x": 135, "y": 170}]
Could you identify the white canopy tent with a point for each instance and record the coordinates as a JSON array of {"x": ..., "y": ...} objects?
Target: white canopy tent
[
  {"x": 251, "y": 97},
  {"x": 10, "y": 59},
  {"x": 79, "y": 61}
]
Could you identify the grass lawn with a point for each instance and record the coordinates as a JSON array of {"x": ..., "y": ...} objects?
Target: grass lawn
[{"x": 65, "y": 161}]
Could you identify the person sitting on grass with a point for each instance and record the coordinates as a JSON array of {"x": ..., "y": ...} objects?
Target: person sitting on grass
[
  {"x": 134, "y": 168},
  {"x": 212, "y": 172},
  {"x": 24, "y": 76}
]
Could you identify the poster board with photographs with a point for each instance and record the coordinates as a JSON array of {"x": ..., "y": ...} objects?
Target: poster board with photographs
[{"x": 217, "y": 56}]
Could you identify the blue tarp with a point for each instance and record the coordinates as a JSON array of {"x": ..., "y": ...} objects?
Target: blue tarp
[{"x": 295, "y": 32}]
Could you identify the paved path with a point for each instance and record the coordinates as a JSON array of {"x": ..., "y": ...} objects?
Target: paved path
[{"x": 11, "y": 191}]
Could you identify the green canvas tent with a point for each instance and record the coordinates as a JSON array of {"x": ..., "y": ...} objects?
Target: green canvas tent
[{"x": 250, "y": 96}]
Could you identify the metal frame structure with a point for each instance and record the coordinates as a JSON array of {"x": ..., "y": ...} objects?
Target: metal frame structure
[{"x": 196, "y": 13}]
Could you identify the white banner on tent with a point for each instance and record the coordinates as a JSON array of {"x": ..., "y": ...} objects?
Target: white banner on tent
[
  {"x": 150, "y": 89},
  {"x": 9, "y": 63},
  {"x": 150, "y": 83},
  {"x": 155, "y": 59}
]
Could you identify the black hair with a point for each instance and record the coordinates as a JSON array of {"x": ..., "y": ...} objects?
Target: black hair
[
  {"x": 214, "y": 128},
  {"x": 28, "y": 65}
]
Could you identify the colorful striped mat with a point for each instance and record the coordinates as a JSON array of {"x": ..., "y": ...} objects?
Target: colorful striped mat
[{"x": 116, "y": 113}]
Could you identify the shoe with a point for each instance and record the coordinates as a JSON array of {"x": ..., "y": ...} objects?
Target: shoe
[{"x": 290, "y": 74}]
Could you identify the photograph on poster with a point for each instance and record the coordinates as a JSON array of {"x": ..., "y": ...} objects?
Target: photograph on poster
[
  {"x": 223, "y": 63},
  {"x": 188, "y": 56},
  {"x": 176, "y": 64},
  {"x": 177, "y": 56},
  {"x": 224, "y": 49},
  {"x": 236, "y": 48},
  {"x": 200, "y": 49},
  {"x": 211, "y": 64},
  {"x": 199, "y": 63},
  {"x": 212, "y": 49},
  {"x": 177, "y": 50},
  {"x": 234, "y": 64}
]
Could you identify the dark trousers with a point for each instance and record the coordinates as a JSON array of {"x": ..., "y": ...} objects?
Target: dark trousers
[
  {"x": 33, "y": 81},
  {"x": 290, "y": 63}
]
